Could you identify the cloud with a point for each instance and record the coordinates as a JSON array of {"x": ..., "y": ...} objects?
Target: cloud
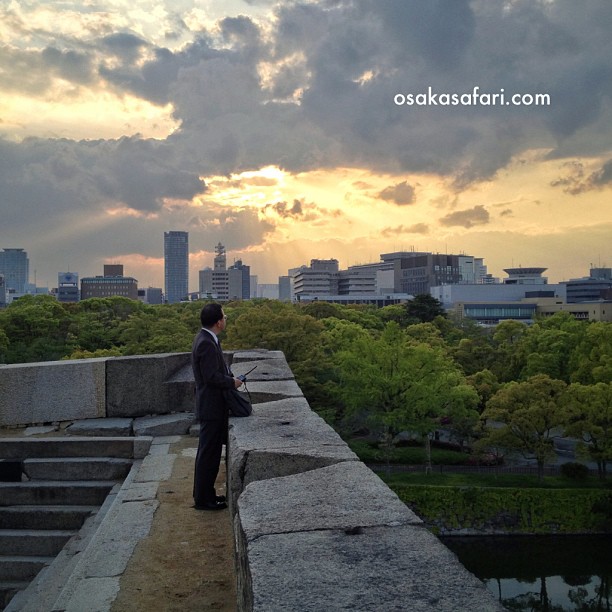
[
  {"x": 401, "y": 194},
  {"x": 575, "y": 182},
  {"x": 311, "y": 86},
  {"x": 284, "y": 210},
  {"x": 603, "y": 177},
  {"x": 467, "y": 218},
  {"x": 418, "y": 228}
]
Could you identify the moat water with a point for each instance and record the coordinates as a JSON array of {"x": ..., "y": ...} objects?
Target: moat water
[{"x": 552, "y": 573}]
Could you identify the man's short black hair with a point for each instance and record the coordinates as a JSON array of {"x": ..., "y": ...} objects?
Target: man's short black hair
[{"x": 210, "y": 314}]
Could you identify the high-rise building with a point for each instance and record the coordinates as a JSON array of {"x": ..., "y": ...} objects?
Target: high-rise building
[
  {"x": 15, "y": 266},
  {"x": 284, "y": 288},
  {"x": 109, "y": 286},
  {"x": 318, "y": 279},
  {"x": 221, "y": 283},
  {"x": 596, "y": 286},
  {"x": 67, "y": 287},
  {"x": 176, "y": 266},
  {"x": 151, "y": 295},
  {"x": 113, "y": 270},
  {"x": 2, "y": 292},
  {"x": 416, "y": 272},
  {"x": 246, "y": 278}
]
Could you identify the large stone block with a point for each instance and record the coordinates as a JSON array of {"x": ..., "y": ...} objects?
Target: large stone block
[
  {"x": 377, "y": 568},
  {"x": 265, "y": 370},
  {"x": 135, "y": 385},
  {"x": 52, "y": 391},
  {"x": 280, "y": 438},
  {"x": 345, "y": 539}
]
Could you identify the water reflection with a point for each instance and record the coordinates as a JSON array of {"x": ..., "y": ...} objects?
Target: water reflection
[{"x": 553, "y": 573}]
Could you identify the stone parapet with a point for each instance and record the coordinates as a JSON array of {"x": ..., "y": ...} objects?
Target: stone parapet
[
  {"x": 52, "y": 391},
  {"x": 115, "y": 387},
  {"x": 135, "y": 385},
  {"x": 316, "y": 529}
]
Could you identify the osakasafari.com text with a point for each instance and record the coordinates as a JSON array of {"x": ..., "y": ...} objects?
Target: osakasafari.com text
[{"x": 471, "y": 98}]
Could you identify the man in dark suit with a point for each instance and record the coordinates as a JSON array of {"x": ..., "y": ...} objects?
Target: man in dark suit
[{"x": 212, "y": 376}]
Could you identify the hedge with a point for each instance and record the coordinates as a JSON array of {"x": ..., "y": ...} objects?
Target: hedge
[{"x": 480, "y": 510}]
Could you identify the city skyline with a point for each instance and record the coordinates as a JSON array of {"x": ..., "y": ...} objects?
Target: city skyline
[
  {"x": 299, "y": 130},
  {"x": 176, "y": 258}
]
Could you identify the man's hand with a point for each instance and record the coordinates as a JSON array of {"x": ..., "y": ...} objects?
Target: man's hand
[{"x": 237, "y": 383}]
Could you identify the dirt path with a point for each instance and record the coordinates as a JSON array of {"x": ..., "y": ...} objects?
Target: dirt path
[{"x": 187, "y": 562}]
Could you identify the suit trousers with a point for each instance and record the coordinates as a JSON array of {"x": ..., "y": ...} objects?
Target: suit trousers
[{"x": 213, "y": 435}]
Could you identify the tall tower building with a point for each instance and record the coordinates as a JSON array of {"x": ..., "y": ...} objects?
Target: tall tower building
[
  {"x": 176, "y": 266},
  {"x": 15, "y": 266},
  {"x": 223, "y": 283}
]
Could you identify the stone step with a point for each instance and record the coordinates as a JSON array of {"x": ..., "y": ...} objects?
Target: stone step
[
  {"x": 33, "y": 542},
  {"x": 17, "y": 568},
  {"x": 77, "y": 493},
  {"x": 8, "y": 590},
  {"x": 45, "y": 517},
  {"x": 77, "y": 468},
  {"x": 72, "y": 446}
]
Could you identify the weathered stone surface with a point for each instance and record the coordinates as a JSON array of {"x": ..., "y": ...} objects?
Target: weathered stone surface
[
  {"x": 94, "y": 595},
  {"x": 77, "y": 468},
  {"x": 342, "y": 496},
  {"x": 52, "y": 391},
  {"x": 180, "y": 390},
  {"x": 163, "y": 425},
  {"x": 101, "y": 427},
  {"x": 266, "y": 370},
  {"x": 155, "y": 468},
  {"x": 279, "y": 439},
  {"x": 135, "y": 385},
  {"x": 378, "y": 568},
  {"x": 271, "y": 390},
  {"x": 254, "y": 354},
  {"x": 36, "y": 431}
]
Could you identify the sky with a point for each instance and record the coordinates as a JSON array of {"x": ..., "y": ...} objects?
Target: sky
[{"x": 310, "y": 129}]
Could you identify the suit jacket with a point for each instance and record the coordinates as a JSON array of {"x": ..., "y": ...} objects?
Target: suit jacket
[{"x": 211, "y": 376}]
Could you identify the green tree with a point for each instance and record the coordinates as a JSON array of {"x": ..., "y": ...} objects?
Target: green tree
[
  {"x": 394, "y": 384},
  {"x": 155, "y": 331},
  {"x": 526, "y": 417},
  {"x": 425, "y": 308},
  {"x": 591, "y": 360},
  {"x": 283, "y": 329},
  {"x": 4, "y": 344},
  {"x": 590, "y": 420},
  {"x": 37, "y": 329},
  {"x": 395, "y": 312},
  {"x": 508, "y": 339},
  {"x": 486, "y": 385},
  {"x": 548, "y": 345}
]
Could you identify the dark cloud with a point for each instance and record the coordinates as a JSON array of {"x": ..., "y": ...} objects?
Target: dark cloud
[
  {"x": 467, "y": 218},
  {"x": 283, "y": 209},
  {"x": 575, "y": 181},
  {"x": 401, "y": 194},
  {"x": 603, "y": 176}
]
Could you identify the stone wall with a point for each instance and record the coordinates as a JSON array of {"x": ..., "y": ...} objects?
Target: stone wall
[
  {"x": 315, "y": 529},
  {"x": 70, "y": 390}
]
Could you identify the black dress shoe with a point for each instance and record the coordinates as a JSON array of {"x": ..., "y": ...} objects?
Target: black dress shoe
[
  {"x": 220, "y": 498},
  {"x": 215, "y": 505}
]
